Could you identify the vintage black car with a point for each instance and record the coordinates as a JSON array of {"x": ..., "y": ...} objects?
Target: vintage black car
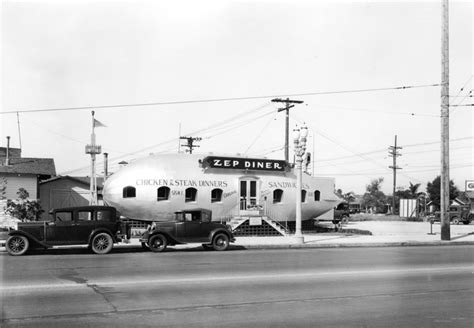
[
  {"x": 189, "y": 226},
  {"x": 96, "y": 226},
  {"x": 457, "y": 214}
]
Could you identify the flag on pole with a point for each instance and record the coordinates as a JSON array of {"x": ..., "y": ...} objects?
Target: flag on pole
[{"x": 98, "y": 124}]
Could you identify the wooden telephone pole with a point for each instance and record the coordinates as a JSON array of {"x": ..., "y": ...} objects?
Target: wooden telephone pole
[
  {"x": 394, "y": 153},
  {"x": 444, "y": 192},
  {"x": 190, "y": 143},
  {"x": 287, "y": 102}
]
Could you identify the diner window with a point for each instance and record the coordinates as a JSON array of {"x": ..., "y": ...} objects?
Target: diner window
[
  {"x": 317, "y": 195},
  {"x": 190, "y": 195},
  {"x": 163, "y": 193},
  {"x": 216, "y": 195},
  {"x": 303, "y": 196},
  {"x": 277, "y": 196},
  {"x": 129, "y": 192}
]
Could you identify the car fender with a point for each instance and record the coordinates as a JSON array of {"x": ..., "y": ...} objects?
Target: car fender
[
  {"x": 99, "y": 230},
  {"x": 169, "y": 238},
  {"x": 219, "y": 230},
  {"x": 29, "y": 236}
]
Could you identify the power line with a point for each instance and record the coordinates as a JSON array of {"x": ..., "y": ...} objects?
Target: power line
[
  {"x": 260, "y": 134},
  {"x": 253, "y": 110},
  {"x": 194, "y": 101}
]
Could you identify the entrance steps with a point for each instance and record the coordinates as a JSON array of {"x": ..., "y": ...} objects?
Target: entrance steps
[{"x": 256, "y": 226}]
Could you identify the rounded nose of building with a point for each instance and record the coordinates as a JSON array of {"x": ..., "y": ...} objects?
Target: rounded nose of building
[{"x": 112, "y": 191}]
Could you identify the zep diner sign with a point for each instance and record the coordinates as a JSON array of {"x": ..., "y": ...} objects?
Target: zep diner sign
[{"x": 245, "y": 163}]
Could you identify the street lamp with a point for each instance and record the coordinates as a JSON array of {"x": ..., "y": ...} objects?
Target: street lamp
[{"x": 299, "y": 139}]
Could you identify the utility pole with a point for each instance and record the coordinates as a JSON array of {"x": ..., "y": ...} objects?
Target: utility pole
[
  {"x": 393, "y": 152},
  {"x": 190, "y": 143},
  {"x": 444, "y": 190},
  {"x": 287, "y": 102}
]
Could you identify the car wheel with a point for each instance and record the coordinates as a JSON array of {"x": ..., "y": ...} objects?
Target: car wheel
[
  {"x": 466, "y": 221},
  {"x": 455, "y": 221},
  {"x": 158, "y": 243},
  {"x": 102, "y": 243},
  {"x": 17, "y": 245},
  {"x": 145, "y": 246},
  {"x": 220, "y": 242},
  {"x": 344, "y": 219}
]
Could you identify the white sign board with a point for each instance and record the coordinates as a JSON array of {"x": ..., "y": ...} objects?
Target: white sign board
[
  {"x": 469, "y": 185},
  {"x": 255, "y": 221},
  {"x": 408, "y": 208}
]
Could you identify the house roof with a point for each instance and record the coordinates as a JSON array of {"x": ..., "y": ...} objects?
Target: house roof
[
  {"x": 83, "y": 180},
  {"x": 38, "y": 166}
]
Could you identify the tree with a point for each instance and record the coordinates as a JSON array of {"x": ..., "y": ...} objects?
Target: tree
[
  {"x": 23, "y": 208},
  {"x": 348, "y": 196},
  {"x": 374, "y": 197},
  {"x": 413, "y": 189},
  {"x": 434, "y": 190}
]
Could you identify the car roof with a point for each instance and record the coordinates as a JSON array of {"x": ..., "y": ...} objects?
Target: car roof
[{"x": 82, "y": 208}]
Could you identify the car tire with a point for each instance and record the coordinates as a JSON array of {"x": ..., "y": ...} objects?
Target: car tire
[
  {"x": 220, "y": 242},
  {"x": 455, "y": 220},
  {"x": 102, "y": 243},
  {"x": 466, "y": 221},
  {"x": 145, "y": 246},
  {"x": 345, "y": 219},
  {"x": 157, "y": 243},
  {"x": 17, "y": 245}
]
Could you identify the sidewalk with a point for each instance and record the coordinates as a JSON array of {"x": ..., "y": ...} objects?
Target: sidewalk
[
  {"x": 383, "y": 234},
  {"x": 389, "y": 233}
]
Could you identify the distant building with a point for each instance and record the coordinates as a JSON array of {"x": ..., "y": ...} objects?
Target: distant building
[
  {"x": 21, "y": 172},
  {"x": 66, "y": 191}
]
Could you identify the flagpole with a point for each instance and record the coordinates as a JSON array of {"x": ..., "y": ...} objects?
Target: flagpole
[
  {"x": 93, "y": 150},
  {"x": 93, "y": 190}
]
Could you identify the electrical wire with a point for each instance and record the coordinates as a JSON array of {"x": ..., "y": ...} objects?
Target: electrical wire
[
  {"x": 260, "y": 134},
  {"x": 112, "y": 159},
  {"x": 211, "y": 100}
]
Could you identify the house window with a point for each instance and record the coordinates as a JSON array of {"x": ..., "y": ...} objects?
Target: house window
[
  {"x": 317, "y": 195},
  {"x": 163, "y": 193},
  {"x": 303, "y": 196},
  {"x": 190, "y": 195},
  {"x": 216, "y": 195},
  {"x": 277, "y": 196},
  {"x": 129, "y": 192}
]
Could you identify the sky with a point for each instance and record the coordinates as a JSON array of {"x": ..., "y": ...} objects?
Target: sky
[{"x": 187, "y": 61}]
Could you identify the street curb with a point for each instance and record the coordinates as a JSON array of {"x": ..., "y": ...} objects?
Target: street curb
[
  {"x": 356, "y": 245},
  {"x": 309, "y": 246}
]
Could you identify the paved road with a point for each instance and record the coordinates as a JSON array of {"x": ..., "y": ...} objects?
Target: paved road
[{"x": 356, "y": 287}]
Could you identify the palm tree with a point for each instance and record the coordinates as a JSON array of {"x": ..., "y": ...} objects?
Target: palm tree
[{"x": 413, "y": 188}]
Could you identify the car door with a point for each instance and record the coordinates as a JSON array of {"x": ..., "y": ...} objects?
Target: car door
[
  {"x": 59, "y": 231},
  {"x": 195, "y": 230},
  {"x": 83, "y": 226}
]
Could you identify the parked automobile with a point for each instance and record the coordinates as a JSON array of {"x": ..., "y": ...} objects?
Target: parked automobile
[
  {"x": 188, "y": 226},
  {"x": 457, "y": 214},
  {"x": 341, "y": 213},
  {"x": 96, "y": 226}
]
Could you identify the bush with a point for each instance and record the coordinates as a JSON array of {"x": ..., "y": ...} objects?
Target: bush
[{"x": 23, "y": 208}]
